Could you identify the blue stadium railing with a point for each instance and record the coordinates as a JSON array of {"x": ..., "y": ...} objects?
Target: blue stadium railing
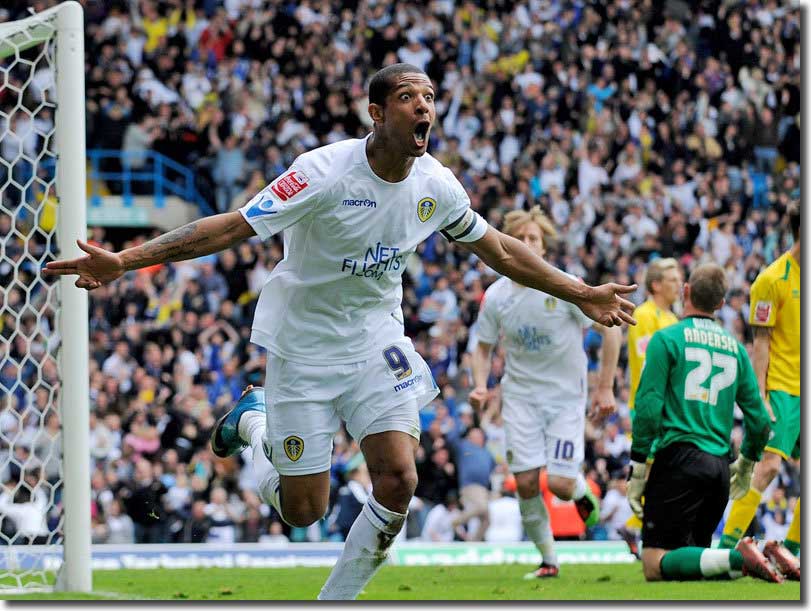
[{"x": 153, "y": 175}]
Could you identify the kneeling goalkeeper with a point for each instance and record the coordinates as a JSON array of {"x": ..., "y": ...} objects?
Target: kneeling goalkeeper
[{"x": 695, "y": 373}]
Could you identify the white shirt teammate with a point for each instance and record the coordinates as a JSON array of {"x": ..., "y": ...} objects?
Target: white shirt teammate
[
  {"x": 330, "y": 317},
  {"x": 544, "y": 387}
]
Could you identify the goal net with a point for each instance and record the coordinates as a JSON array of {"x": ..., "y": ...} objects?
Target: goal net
[{"x": 44, "y": 462}]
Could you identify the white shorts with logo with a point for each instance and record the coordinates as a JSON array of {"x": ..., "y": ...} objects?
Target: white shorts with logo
[
  {"x": 544, "y": 436},
  {"x": 306, "y": 403}
]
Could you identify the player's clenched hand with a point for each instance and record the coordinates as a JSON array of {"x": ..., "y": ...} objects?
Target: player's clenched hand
[
  {"x": 607, "y": 305},
  {"x": 740, "y": 477},
  {"x": 97, "y": 267},
  {"x": 636, "y": 487},
  {"x": 602, "y": 404},
  {"x": 478, "y": 398}
]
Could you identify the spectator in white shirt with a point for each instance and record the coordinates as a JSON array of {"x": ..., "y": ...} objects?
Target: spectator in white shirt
[
  {"x": 722, "y": 240},
  {"x": 528, "y": 78},
  {"x": 590, "y": 172},
  {"x": 732, "y": 310},
  {"x": 223, "y": 517},
  {"x": 559, "y": 207},
  {"x": 638, "y": 223},
  {"x": 438, "y": 525},
  {"x": 505, "y": 517},
  {"x": 120, "y": 364},
  {"x": 683, "y": 192},
  {"x": 614, "y": 508},
  {"x": 509, "y": 148},
  {"x": 616, "y": 443},
  {"x": 415, "y": 53},
  {"x": 628, "y": 166},
  {"x": 28, "y": 512},
  {"x": 775, "y": 525},
  {"x": 120, "y": 526},
  {"x": 553, "y": 173}
]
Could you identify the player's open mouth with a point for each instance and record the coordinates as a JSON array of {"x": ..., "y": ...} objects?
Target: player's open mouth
[{"x": 421, "y": 132}]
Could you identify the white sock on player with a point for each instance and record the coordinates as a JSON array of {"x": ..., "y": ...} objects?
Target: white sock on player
[
  {"x": 366, "y": 548},
  {"x": 715, "y": 562},
  {"x": 535, "y": 519},
  {"x": 580, "y": 487},
  {"x": 251, "y": 423},
  {"x": 251, "y": 428}
]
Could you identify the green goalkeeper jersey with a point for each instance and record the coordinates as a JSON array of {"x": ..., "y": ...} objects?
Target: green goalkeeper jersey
[{"x": 695, "y": 371}]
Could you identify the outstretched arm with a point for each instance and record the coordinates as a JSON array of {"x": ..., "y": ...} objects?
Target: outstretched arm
[
  {"x": 196, "y": 239},
  {"x": 515, "y": 260}
]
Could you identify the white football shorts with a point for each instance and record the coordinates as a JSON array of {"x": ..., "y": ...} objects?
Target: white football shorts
[
  {"x": 306, "y": 403},
  {"x": 542, "y": 436}
]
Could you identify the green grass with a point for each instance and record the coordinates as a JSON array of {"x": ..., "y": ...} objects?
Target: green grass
[{"x": 502, "y": 582}]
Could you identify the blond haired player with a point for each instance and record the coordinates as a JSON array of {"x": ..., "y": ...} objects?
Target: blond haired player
[
  {"x": 544, "y": 388},
  {"x": 775, "y": 318},
  {"x": 663, "y": 282}
]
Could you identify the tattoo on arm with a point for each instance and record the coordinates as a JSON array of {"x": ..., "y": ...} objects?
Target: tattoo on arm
[
  {"x": 176, "y": 244},
  {"x": 186, "y": 242},
  {"x": 195, "y": 239}
]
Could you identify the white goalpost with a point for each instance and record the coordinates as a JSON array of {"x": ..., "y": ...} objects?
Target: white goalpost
[{"x": 45, "y": 490}]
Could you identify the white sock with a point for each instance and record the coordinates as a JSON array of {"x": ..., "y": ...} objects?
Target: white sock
[
  {"x": 251, "y": 427},
  {"x": 365, "y": 549},
  {"x": 580, "y": 487},
  {"x": 249, "y": 423},
  {"x": 715, "y": 562},
  {"x": 535, "y": 519}
]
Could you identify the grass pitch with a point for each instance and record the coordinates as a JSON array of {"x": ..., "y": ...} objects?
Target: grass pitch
[{"x": 592, "y": 582}]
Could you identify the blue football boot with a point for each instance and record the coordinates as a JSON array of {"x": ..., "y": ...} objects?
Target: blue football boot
[{"x": 225, "y": 439}]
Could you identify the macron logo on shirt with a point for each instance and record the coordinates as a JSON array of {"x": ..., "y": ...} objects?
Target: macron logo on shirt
[{"x": 358, "y": 203}]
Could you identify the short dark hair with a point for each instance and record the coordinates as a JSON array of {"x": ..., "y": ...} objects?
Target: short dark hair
[
  {"x": 794, "y": 220},
  {"x": 708, "y": 285},
  {"x": 383, "y": 81}
]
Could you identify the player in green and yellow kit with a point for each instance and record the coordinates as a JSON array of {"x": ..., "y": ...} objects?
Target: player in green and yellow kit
[
  {"x": 775, "y": 318},
  {"x": 695, "y": 373},
  {"x": 663, "y": 280}
]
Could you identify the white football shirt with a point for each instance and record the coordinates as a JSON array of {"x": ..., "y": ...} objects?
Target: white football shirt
[
  {"x": 336, "y": 296},
  {"x": 543, "y": 340}
]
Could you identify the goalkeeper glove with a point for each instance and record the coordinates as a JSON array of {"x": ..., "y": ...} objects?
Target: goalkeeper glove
[
  {"x": 636, "y": 487},
  {"x": 740, "y": 476}
]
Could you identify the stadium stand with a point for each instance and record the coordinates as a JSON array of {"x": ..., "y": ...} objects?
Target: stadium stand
[{"x": 643, "y": 128}]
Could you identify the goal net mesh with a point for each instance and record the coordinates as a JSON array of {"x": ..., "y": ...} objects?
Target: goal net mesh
[{"x": 31, "y": 517}]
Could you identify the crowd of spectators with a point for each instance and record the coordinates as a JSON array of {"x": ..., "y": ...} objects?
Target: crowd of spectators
[{"x": 642, "y": 128}]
